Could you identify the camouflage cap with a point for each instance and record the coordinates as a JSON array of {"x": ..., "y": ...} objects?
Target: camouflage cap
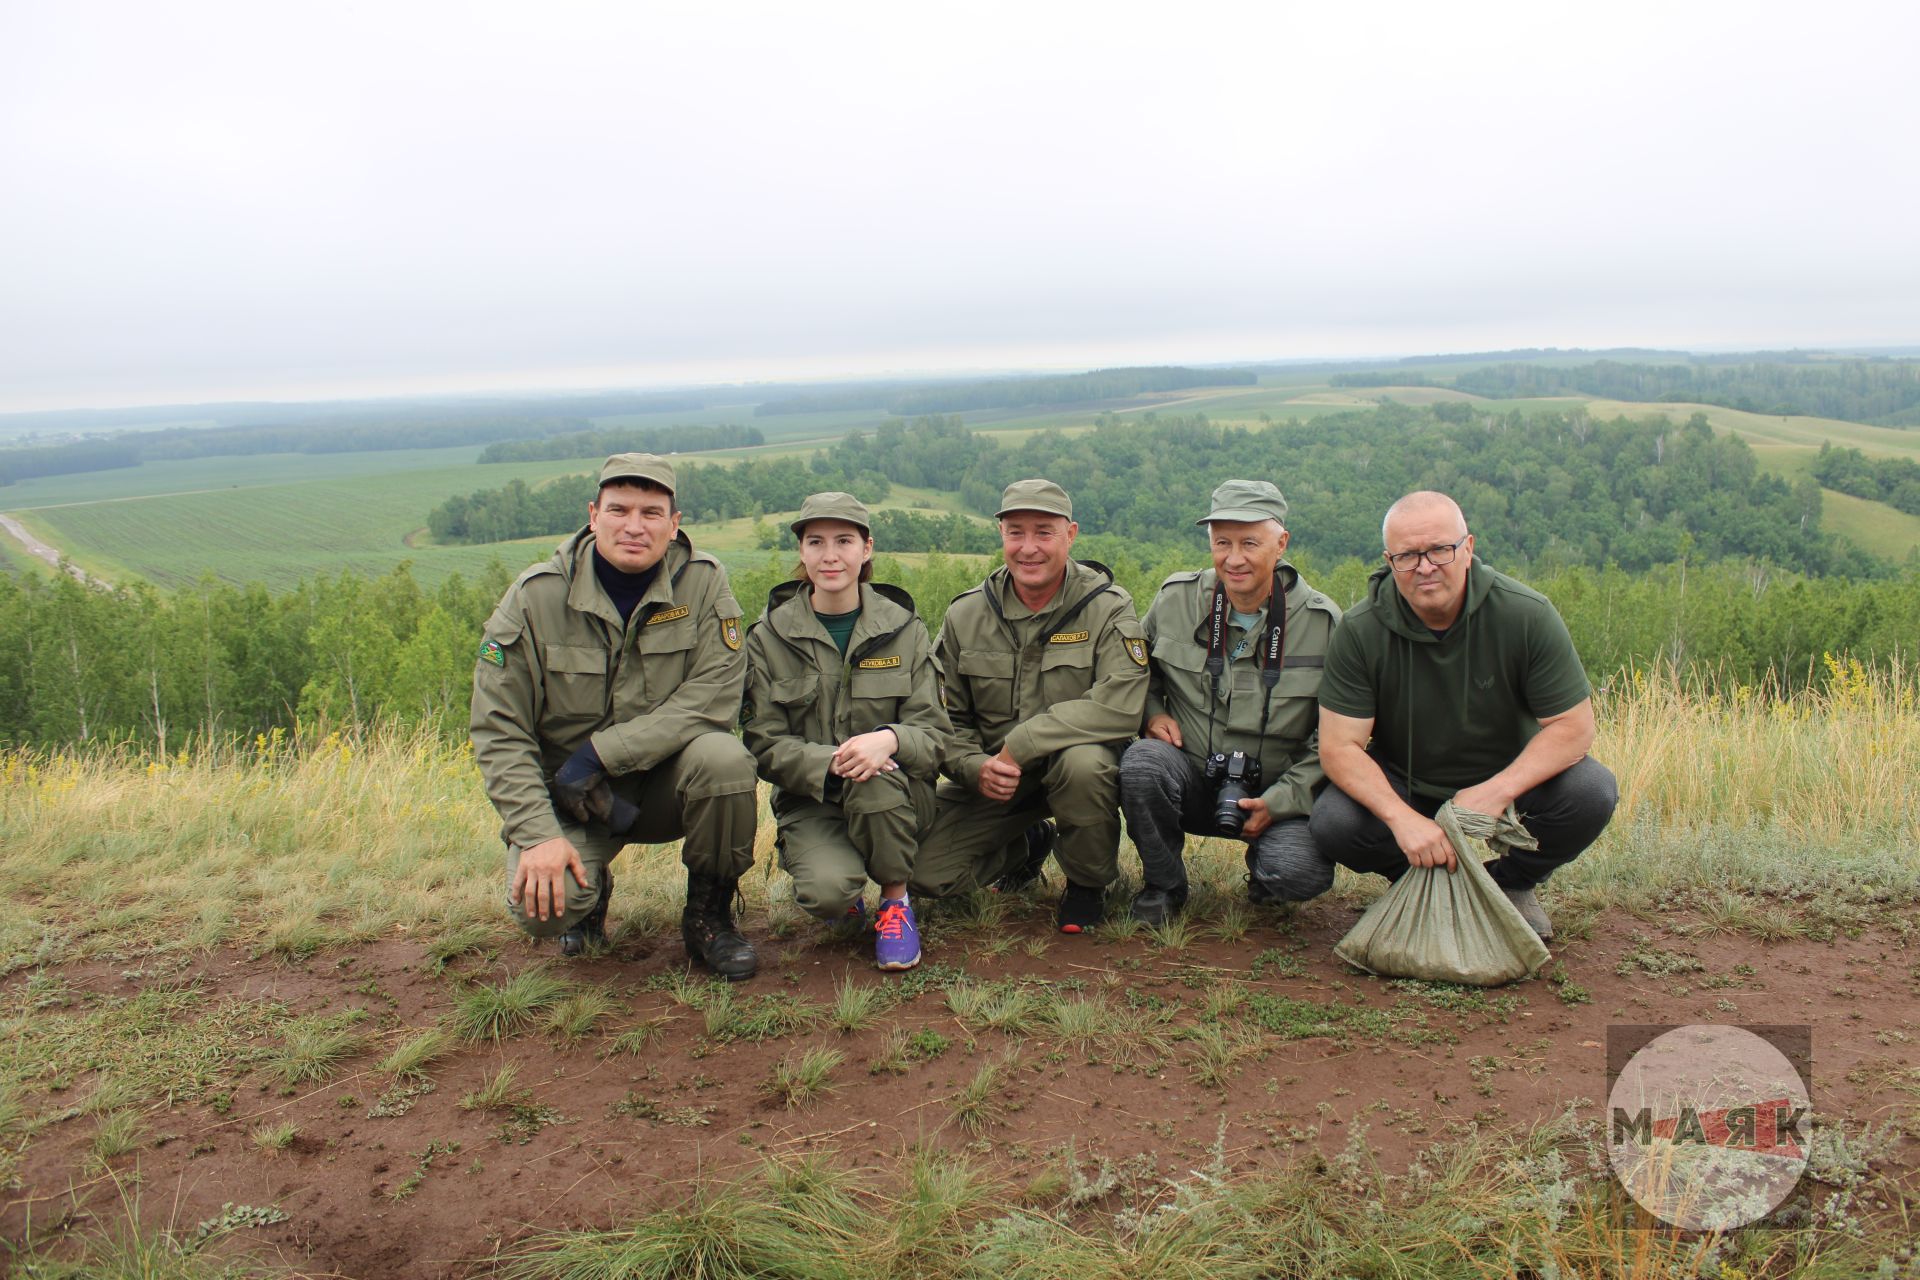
[
  {"x": 1035, "y": 495},
  {"x": 833, "y": 506},
  {"x": 650, "y": 467},
  {"x": 1246, "y": 501}
]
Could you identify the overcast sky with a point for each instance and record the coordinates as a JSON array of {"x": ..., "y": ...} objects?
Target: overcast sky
[{"x": 216, "y": 200}]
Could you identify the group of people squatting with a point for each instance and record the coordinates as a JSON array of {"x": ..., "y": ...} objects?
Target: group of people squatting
[{"x": 611, "y": 679}]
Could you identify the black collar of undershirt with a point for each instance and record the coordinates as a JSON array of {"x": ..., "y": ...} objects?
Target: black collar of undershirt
[{"x": 623, "y": 588}]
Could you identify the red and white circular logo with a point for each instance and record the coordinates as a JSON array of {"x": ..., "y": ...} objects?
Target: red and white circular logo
[{"x": 1708, "y": 1127}]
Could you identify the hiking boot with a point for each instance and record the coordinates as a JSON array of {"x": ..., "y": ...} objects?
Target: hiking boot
[
  {"x": 1531, "y": 911},
  {"x": 896, "y": 944},
  {"x": 706, "y": 926},
  {"x": 1040, "y": 841},
  {"x": 1154, "y": 906},
  {"x": 1081, "y": 908},
  {"x": 591, "y": 932}
]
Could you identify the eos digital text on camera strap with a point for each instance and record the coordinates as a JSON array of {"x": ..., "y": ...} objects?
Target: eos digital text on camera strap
[{"x": 1273, "y": 650}]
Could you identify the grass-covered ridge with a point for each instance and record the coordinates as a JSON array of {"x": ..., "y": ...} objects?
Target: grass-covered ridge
[
  {"x": 250, "y": 963},
  {"x": 330, "y": 838}
]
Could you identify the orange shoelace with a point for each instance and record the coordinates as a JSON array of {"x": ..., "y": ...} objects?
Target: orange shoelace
[{"x": 893, "y": 920}]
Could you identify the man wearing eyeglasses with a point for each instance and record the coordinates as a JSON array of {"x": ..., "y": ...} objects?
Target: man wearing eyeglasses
[{"x": 1453, "y": 680}]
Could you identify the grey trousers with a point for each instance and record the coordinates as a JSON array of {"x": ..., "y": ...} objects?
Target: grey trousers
[
  {"x": 1165, "y": 797},
  {"x": 1566, "y": 813}
]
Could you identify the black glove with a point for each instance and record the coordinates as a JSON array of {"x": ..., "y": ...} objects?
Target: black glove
[
  {"x": 616, "y": 813},
  {"x": 578, "y": 776}
]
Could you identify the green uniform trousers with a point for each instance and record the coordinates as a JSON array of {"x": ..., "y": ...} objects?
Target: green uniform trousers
[
  {"x": 873, "y": 833},
  {"x": 975, "y": 840},
  {"x": 702, "y": 796}
]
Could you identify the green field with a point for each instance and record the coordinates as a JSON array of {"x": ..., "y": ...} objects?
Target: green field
[{"x": 282, "y": 518}]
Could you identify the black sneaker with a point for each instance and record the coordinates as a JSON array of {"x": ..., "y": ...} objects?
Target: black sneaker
[
  {"x": 1153, "y": 907},
  {"x": 1081, "y": 908},
  {"x": 1040, "y": 841},
  {"x": 591, "y": 932}
]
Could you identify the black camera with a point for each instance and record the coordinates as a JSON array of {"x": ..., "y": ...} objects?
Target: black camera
[{"x": 1235, "y": 777}]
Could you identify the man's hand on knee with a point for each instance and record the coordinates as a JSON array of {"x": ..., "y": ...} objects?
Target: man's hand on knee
[
  {"x": 539, "y": 886},
  {"x": 1423, "y": 841}
]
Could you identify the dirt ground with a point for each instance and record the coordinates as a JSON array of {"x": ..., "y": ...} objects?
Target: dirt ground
[{"x": 613, "y": 1134}]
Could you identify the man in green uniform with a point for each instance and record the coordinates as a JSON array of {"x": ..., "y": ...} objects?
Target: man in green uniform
[
  {"x": 607, "y": 684},
  {"x": 1451, "y": 680},
  {"x": 1231, "y": 745},
  {"x": 1044, "y": 673}
]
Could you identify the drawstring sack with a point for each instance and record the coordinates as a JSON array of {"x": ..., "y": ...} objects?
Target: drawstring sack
[{"x": 1442, "y": 926}]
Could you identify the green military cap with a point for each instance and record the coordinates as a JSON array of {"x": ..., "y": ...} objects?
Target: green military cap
[
  {"x": 1246, "y": 502},
  {"x": 650, "y": 467},
  {"x": 833, "y": 506},
  {"x": 1035, "y": 495}
]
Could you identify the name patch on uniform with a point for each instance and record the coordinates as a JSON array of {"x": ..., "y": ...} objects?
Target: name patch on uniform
[
  {"x": 879, "y": 664},
  {"x": 669, "y": 615},
  {"x": 490, "y": 651},
  {"x": 1068, "y": 637}
]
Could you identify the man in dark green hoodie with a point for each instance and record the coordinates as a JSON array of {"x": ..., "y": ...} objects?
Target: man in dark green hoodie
[{"x": 1451, "y": 680}]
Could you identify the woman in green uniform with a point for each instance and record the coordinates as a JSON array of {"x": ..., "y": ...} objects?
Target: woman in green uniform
[{"x": 843, "y": 714}]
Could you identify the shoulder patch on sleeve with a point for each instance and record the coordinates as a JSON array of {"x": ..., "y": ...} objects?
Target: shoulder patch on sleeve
[
  {"x": 490, "y": 651},
  {"x": 1136, "y": 649},
  {"x": 730, "y": 632}
]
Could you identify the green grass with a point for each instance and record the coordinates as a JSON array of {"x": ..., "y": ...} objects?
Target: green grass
[
  {"x": 575, "y": 1016},
  {"x": 803, "y": 1078},
  {"x": 412, "y": 1058},
  {"x": 980, "y": 1103},
  {"x": 497, "y": 1012},
  {"x": 499, "y": 1091},
  {"x": 314, "y": 1049},
  {"x": 271, "y": 1138}
]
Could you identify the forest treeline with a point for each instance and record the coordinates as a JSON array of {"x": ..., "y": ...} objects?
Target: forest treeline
[
  {"x": 86, "y": 665},
  {"x": 1894, "y": 481},
  {"x": 352, "y": 427},
  {"x": 600, "y": 444},
  {"x": 1011, "y": 393},
  {"x": 1883, "y": 392},
  {"x": 750, "y": 487},
  {"x": 898, "y": 530},
  {"x": 1550, "y": 489}
]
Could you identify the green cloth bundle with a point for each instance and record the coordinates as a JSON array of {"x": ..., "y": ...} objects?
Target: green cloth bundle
[{"x": 1450, "y": 926}]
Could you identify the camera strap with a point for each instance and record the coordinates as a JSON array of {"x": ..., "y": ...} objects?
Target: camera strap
[{"x": 1272, "y": 653}]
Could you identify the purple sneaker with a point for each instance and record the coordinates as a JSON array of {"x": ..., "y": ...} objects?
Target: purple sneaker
[{"x": 896, "y": 943}]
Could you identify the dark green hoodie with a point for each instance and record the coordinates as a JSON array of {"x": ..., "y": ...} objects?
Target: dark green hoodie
[{"x": 1452, "y": 711}]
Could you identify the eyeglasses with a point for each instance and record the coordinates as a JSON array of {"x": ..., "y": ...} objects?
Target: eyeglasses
[{"x": 1438, "y": 557}]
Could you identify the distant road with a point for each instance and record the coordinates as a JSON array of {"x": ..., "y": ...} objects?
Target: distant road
[{"x": 38, "y": 548}]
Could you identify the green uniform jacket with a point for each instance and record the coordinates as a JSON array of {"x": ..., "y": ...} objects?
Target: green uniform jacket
[
  {"x": 1453, "y": 711},
  {"x": 1038, "y": 683},
  {"x": 804, "y": 699},
  {"x": 558, "y": 665},
  {"x": 1289, "y": 754}
]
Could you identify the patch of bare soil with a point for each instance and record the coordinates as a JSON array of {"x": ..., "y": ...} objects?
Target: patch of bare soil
[{"x": 378, "y": 1184}]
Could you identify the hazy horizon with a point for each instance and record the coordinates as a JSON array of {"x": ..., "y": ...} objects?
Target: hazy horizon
[{"x": 217, "y": 201}]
